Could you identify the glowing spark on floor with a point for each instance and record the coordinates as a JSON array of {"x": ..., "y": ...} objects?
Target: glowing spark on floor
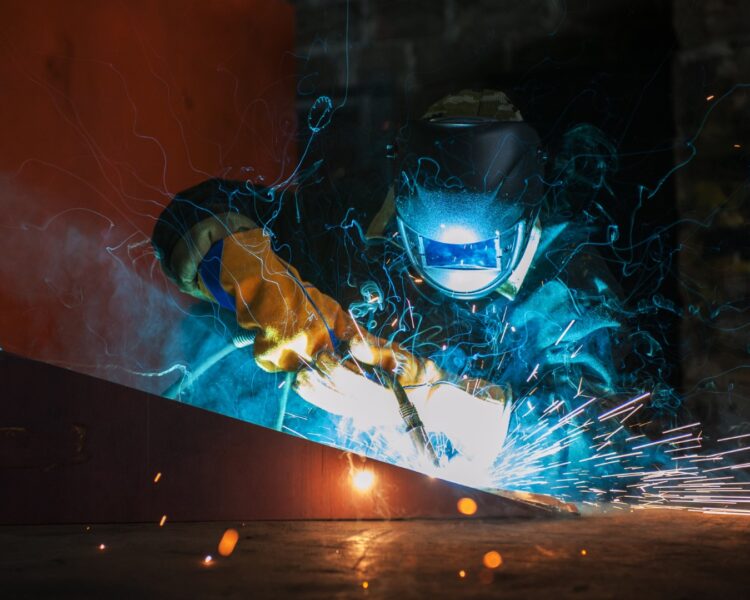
[
  {"x": 562, "y": 335},
  {"x": 492, "y": 559},
  {"x": 228, "y": 542},
  {"x": 467, "y": 506},
  {"x": 363, "y": 480},
  {"x": 681, "y": 428}
]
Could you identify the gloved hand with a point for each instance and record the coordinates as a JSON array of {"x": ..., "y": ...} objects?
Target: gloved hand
[{"x": 294, "y": 321}]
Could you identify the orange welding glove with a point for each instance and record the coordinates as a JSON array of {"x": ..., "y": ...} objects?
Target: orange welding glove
[{"x": 294, "y": 321}]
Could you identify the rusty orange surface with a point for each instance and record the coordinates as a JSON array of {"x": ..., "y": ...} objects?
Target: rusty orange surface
[{"x": 109, "y": 108}]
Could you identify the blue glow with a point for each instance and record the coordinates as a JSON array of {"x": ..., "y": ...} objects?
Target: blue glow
[{"x": 479, "y": 255}]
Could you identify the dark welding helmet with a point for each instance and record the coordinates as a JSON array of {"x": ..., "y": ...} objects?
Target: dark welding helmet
[{"x": 468, "y": 192}]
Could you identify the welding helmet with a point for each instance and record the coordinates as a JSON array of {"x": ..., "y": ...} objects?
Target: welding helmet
[{"x": 468, "y": 192}]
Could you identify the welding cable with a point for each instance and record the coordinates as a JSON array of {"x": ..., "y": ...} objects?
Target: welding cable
[
  {"x": 240, "y": 340},
  {"x": 283, "y": 399}
]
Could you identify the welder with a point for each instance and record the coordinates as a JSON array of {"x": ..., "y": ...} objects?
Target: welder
[{"x": 460, "y": 293}]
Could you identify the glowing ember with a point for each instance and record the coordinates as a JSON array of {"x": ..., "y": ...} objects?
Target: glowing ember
[
  {"x": 467, "y": 506},
  {"x": 462, "y": 573},
  {"x": 228, "y": 542},
  {"x": 709, "y": 98},
  {"x": 157, "y": 477},
  {"x": 163, "y": 520},
  {"x": 492, "y": 560},
  {"x": 102, "y": 547},
  {"x": 584, "y": 552},
  {"x": 365, "y": 585},
  {"x": 363, "y": 480},
  {"x": 208, "y": 560}
]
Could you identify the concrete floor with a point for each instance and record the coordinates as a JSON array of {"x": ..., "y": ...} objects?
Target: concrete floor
[{"x": 643, "y": 554}]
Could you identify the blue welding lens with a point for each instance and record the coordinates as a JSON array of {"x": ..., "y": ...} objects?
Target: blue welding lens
[{"x": 479, "y": 255}]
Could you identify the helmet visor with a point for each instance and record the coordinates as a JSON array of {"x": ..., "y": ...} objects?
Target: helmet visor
[
  {"x": 464, "y": 270},
  {"x": 479, "y": 255}
]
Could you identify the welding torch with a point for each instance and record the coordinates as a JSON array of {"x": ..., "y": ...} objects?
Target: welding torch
[{"x": 407, "y": 410}]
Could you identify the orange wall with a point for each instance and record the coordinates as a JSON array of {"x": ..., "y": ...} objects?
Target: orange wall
[{"x": 107, "y": 108}]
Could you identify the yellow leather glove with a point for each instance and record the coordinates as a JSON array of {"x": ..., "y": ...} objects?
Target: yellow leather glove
[{"x": 294, "y": 321}]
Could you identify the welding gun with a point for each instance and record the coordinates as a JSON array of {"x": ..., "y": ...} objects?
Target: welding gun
[{"x": 407, "y": 410}]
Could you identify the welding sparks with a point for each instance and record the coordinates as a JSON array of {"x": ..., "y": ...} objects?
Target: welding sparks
[
  {"x": 163, "y": 520},
  {"x": 157, "y": 477},
  {"x": 562, "y": 335},
  {"x": 613, "y": 412}
]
